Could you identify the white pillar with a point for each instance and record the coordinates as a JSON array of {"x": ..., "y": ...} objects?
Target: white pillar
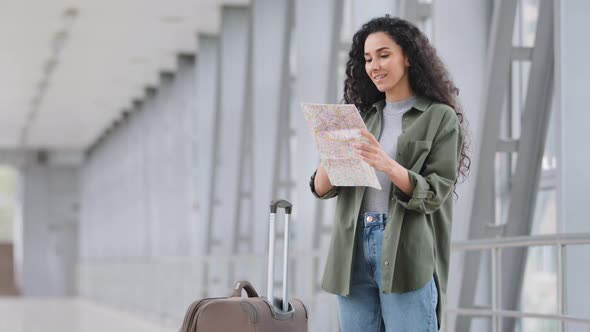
[
  {"x": 317, "y": 45},
  {"x": 574, "y": 155},
  {"x": 233, "y": 55},
  {"x": 206, "y": 87},
  {"x": 471, "y": 21},
  {"x": 50, "y": 228},
  {"x": 272, "y": 25}
]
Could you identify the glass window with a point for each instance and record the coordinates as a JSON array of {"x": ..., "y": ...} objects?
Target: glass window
[
  {"x": 6, "y": 223},
  {"x": 526, "y": 23},
  {"x": 7, "y": 181},
  {"x": 8, "y": 191}
]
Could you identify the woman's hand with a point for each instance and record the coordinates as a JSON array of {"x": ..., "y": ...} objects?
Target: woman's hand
[{"x": 373, "y": 154}]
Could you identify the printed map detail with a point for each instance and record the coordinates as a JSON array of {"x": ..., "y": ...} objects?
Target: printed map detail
[{"x": 335, "y": 128}]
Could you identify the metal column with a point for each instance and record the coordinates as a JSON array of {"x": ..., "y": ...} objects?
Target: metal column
[
  {"x": 317, "y": 39},
  {"x": 529, "y": 148},
  {"x": 228, "y": 121},
  {"x": 272, "y": 25},
  {"x": 206, "y": 89}
]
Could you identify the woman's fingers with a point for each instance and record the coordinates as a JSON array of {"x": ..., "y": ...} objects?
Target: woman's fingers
[
  {"x": 365, "y": 159},
  {"x": 364, "y": 153},
  {"x": 368, "y": 154},
  {"x": 370, "y": 151},
  {"x": 369, "y": 136},
  {"x": 363, "y": 146},
  {"x": 366, "y": 150}
]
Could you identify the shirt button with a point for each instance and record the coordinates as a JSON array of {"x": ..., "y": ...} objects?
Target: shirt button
[
  {"x": 386, "y": 263},
  {"x": 369, "y": 218}
]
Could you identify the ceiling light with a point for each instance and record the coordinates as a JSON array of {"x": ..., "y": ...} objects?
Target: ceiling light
[
  {"x": 59, "y": 40},
  {"x": 41, "y": 86},
  {"x": 56, "y": 44},
  {"x": 70, "y": 13},
  {"x": 49, "y": 66}
]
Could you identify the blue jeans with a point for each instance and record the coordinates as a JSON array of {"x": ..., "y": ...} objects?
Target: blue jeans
[{"x": 367, "y": 308}]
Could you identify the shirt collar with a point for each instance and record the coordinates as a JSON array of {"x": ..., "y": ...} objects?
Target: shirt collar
[{"x": 421, "y": 104}]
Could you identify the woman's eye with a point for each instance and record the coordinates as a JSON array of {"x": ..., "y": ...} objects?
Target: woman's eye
[
  {"x": 368, "y": 60},
  {"x": 383, "y": 56}
]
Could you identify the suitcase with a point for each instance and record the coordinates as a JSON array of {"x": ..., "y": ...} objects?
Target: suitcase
[{"x": 252, "y": 313}]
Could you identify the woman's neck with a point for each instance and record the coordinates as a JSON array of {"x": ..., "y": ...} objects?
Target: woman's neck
[{"x": 401, "y": 91}]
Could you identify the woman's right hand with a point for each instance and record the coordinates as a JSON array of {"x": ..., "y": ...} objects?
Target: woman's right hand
[{"x": 322, "y": 182}]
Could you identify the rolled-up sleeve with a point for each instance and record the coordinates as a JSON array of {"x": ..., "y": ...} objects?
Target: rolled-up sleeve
[
  {"x": 436, "y": 181},
  {"x": 332, "y": 193}
]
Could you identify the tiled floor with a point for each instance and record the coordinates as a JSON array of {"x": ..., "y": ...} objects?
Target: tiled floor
[{"x": 67, "y": 315}]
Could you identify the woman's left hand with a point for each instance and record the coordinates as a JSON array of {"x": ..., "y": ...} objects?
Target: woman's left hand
[{"x": 373, "y": 154}]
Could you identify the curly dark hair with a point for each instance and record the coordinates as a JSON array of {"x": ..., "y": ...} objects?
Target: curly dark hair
[{"x": 427, "y": 74}]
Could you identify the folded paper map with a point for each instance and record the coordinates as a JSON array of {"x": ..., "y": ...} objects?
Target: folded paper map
[{"x": 335, "y": 128}]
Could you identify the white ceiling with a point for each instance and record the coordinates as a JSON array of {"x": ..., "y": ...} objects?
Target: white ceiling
[{"x": 113, "y": 50}]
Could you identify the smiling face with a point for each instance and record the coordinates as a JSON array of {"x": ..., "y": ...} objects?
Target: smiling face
[{"x": 387, "y": 66}]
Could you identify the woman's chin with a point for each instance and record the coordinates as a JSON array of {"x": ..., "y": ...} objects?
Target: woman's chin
[{"x": 381, "y": 88}]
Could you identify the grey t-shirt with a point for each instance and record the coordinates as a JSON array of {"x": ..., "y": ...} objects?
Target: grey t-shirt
[{"x": 376, "y": 200}]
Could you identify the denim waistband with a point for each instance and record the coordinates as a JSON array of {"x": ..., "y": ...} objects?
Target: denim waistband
[{"x": 373, "y": 218}]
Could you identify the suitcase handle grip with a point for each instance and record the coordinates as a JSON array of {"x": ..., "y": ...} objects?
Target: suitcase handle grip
[
  {"x": 244, "y": 285},
  {"x": 281, "y": 203}
]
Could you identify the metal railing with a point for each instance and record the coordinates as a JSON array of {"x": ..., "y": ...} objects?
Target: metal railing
[
  {"x": 496, "y": 245},
  {"x": 161, "y": 288}
]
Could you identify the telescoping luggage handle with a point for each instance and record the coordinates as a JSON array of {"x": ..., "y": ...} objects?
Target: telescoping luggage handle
[{"x": 271, "y": 251}]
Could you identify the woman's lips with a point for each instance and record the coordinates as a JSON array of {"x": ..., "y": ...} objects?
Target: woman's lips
[{"x": 379, "y": 77}]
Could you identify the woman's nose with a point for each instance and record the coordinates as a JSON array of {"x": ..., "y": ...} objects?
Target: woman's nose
[{"x": 375, "y": 64}]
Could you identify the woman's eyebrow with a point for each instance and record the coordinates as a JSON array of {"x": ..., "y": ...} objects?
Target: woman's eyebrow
[{"x": 378, "y": 50}]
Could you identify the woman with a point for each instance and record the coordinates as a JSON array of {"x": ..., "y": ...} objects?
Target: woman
[{"x": 389, "y": 255}]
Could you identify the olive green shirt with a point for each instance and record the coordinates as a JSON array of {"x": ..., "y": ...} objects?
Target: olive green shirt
[{"x": 416, "y": 241}]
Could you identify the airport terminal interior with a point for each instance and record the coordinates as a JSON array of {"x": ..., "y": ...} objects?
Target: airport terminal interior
[{"x": 142, "y": 141}]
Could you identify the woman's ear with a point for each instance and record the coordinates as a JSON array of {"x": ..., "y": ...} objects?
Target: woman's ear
[{"x": 406, "y": 61}]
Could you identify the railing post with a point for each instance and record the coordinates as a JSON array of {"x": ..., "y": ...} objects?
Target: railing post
[
  {"x": 495, "y": 247},
  {"x": 499, "y": 318},
  {"x": 561, "y": 284},
  {"x": 495, "y": 290}
]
